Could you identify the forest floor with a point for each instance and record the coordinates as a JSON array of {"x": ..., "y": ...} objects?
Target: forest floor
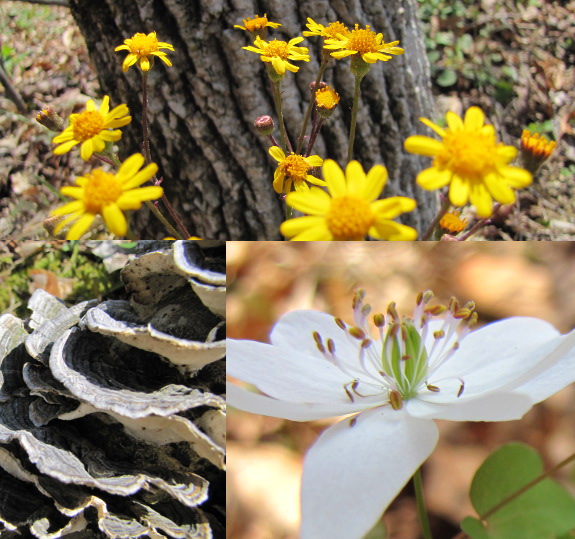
[{"x": 514, "y": 59}]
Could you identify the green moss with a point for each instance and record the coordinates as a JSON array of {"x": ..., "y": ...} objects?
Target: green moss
[{"x": 69, "y": 260}]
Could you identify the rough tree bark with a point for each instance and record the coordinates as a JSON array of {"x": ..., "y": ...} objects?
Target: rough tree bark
[{"x": 216, "y": 168}]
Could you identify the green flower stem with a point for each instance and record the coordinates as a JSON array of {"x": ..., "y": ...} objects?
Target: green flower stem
[
  {"x": 171, "y": 230},
  {"x": 421, "y": 511},
  {"x": 523, "y": 489},
  {"x": 431, "y": 228},
  {"x": 286, "y": 146},
  {"x": 320, "y": 73},
  {"x": 353, "y": 117},
  {"x": 148, "y": 158}
]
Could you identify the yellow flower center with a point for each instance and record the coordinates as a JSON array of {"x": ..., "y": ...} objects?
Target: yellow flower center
[
  {"x": 102, "y": 189},
  {"x": 469, "y": 154},
  {"x": 144, "y": 45},
  {"x": 87, "y": 124},
  {"x": 326, "y": 98},
  {"x": 295, "y": 166},
  {"x": 277, "y": 48},
  {"x": 334, "y": 29},
  {"x": 349, "y": 218},
  {"x": 257, "y": 23},
  {"x": 452, "y": 223},
  {"x": 362, "y": 40}
]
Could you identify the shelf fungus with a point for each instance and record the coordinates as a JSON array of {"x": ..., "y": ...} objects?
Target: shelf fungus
[{"x": 112, "y": 414}]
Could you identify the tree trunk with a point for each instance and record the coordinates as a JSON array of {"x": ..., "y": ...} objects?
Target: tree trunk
[{"x": 216, "y": 168}]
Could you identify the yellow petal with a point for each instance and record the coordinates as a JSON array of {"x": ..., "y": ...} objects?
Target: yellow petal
[
  {"x": 458, "y": 191},
  {"x": 306, "y": 229},
  {"x": 105, "y": 106},
  {"x": 66, "y": 147},
  {"x": 277, "y": 153},
  {"x": 115, "y": 220},
  {"x": 474, "y": 118},
  {"x": 433, "y": 178},
  {"x": 376, "y": 179},
  {"x": 356, "y": 178},
  {"x": 80, "y": 227},
  {"x": 335, "y": 178},
  {"x": 423, "y": 145},
  {"x": 392, "y": 231},
  {"x": 130, "y": 166},
  {"x": 516, "y": 176},
  {"x": 390, "y": 208},
  {"x": 454, "y": 122},
  {"x": 479, "y": 196},
  {"x": 87, "y": 149},
  {"x": 141, "y": 177},
  {"x": 314, "y": 201}
]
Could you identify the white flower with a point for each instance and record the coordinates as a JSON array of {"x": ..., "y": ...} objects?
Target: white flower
[{"x": 419, "y": 369}]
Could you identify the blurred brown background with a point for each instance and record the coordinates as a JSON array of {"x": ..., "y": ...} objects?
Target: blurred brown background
[{"x": 504, "y": 279}]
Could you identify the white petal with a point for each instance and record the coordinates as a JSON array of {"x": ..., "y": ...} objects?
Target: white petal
[
  {"x": 496, "y": 356},
  {"x": 295, "y": 330},
  {"x": 553, "y": 377},
  {"x": 352, "y": 473},
  {"x": 285, "y": 374},
  {"x": 295, "y": 411},
  {"x": 489, "y": 407}
]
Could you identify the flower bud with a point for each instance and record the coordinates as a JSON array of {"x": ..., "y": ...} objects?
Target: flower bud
[
  {"x": 326, "y": 99},
  {"x": 535, "y": 149},
  {"x": 264, "y": 125},
  {"x": 48, "y": 118}
]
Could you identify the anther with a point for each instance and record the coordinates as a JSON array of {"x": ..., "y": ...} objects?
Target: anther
[{"x": 395, "y": 400}]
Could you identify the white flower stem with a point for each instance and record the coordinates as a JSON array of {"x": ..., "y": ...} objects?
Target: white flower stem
[{"x": 421, "y": 511}]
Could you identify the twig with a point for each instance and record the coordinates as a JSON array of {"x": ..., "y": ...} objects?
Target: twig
[{"x": 11, "y": 92}]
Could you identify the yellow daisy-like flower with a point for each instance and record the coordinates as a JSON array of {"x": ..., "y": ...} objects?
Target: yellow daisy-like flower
[
  {"x": 451, "y": 222},
  {"x": 332, "y": 30},
  {"x": 364, "y": 42},
  {"x": 293, "y": 169},
  {"x": 91, "y": 128},
  {"x": 350, "y": 210},
  {"x": 471, "y": 161},
  {"x": 144, "y": 47},
  {"x": 106, "y": 194},
  {"x": 279, "y": 52},
  {"x": 257, "y": 23}
]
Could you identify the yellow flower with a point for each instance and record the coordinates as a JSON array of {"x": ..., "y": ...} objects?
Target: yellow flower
[
  {"x": 534, "y": 150},
  {"x": 91, "y": 128},
  {"x": 279, "y": 52},
  {"x": 452, "y": 223},
  {"x": 471, "y": 161},
  {"x": 333, "y": 30},
  {"x": 106, "y": 194},
  {"x": 190, "y": 238},
  {"x": 257, "y": 23},
  {"x": 351, "y": 210},
  {"x": 141, "y": 47},
  {"x": 294, "y": 169},
  {"x": 369, "y": 45}
]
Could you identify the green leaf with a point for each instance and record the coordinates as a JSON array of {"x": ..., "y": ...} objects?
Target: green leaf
[
  {"x": 446, "y": 78},
  {"x": 544, "y": 511}
]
